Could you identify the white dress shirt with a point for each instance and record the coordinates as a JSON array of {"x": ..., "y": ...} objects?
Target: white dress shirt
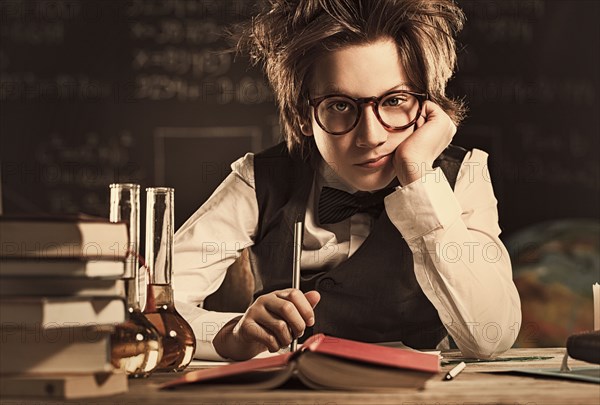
[{"x": 459, "y": 261}]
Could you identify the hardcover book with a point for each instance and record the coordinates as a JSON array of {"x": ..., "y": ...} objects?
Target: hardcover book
[
  {"x": 59, "y": 267},
  {"x": 66, "y": 350},
  {"x": 66, "y": 237},
  {"x": 59, "y": 312},
  {"x": 61, "y": 286},
  {"x": 68, "y": 386}
]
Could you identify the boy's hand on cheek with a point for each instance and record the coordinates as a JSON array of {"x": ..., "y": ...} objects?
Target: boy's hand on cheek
[
  {"x": 415, "y": 155},
  {"x": 270, "y": 323}
]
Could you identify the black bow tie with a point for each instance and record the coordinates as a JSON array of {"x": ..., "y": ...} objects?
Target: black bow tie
[{"x": 336, "y": 205}]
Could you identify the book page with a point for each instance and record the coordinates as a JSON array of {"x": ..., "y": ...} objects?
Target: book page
[{"x": 215, "y": 363}]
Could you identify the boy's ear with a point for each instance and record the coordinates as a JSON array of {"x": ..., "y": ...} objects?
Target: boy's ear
[{"x": 306, "y": 129}]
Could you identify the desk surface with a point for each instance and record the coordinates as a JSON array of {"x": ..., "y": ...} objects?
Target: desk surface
[{"x": 473, "y": 386}]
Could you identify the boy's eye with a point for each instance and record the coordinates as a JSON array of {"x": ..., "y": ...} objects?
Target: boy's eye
[
  {"x": 339, "y": 106},
  {"x": 394, "y": 101}
]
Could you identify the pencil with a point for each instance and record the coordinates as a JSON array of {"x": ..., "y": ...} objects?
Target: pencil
[
  {"x": 298, "y": 227},
  {"x": 450, "y": 375}
]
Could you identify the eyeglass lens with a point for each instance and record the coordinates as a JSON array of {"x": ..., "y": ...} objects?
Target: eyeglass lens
[{"x": 338, "y": 114}]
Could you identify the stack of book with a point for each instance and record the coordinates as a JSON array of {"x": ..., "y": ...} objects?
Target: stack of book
[{"x": 60, "y": 297}]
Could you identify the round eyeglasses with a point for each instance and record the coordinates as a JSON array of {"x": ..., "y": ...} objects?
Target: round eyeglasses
[{"x": 338, "y": 114}]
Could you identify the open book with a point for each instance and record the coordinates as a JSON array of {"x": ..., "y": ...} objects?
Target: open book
[{"x": 323, "y": 362}]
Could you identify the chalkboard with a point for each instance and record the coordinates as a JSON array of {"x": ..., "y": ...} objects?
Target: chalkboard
[
  {"x": 529, "y": 72},
  {"x": 101, "y": 91}
]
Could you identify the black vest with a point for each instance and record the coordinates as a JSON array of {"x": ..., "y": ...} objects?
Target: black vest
[{"x": 374, "y": 295}]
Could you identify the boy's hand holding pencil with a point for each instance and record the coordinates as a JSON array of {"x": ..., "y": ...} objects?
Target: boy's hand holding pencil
[
  {"x": 274, "y": 320},
  {"x": 271, "y": 323}
]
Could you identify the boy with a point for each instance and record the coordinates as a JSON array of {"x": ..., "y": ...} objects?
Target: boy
[{"x": 400, "y": 228}]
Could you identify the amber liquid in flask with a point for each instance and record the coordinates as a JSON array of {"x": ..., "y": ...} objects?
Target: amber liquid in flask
[
  {"x": 136, "y": 346},
  {"x": 179, "y": 342}
]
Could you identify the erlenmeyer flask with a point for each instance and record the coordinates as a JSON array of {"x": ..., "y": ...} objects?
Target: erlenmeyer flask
[
  {"x": 179, "y": 342},
  {"x": 136, "y": 345}
]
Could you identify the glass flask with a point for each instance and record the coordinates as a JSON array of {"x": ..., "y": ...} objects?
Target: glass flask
[
  {"x": 179, "y": 342},
  {"x": 136, "y": 345}
]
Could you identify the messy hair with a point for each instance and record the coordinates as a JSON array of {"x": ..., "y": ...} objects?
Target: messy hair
[{"x": 288, "y": 36}]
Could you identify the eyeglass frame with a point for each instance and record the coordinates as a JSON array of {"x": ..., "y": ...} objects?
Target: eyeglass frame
[{"x": 315, "y": 102}]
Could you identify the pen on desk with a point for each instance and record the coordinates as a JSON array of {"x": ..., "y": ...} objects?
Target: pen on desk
[
  {"x": 298, "y": 230},
  {"x": 450, "y": 375}
]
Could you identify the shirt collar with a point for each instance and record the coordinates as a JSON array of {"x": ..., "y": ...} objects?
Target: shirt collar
[{"x": 327, "y": 177}]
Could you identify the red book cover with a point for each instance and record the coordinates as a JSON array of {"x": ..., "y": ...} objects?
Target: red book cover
[{"x": 372, "y": 353}]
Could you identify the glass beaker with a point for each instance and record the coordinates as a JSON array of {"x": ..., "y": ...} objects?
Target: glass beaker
[
  {"x": 179, "y": 342},
  {"x": 136, "y": 345}
]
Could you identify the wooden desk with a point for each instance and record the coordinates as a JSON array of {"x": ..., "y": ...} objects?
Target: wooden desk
[{"x": 472, "y": 386}]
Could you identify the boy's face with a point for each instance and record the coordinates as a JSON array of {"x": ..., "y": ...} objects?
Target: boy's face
[{"x": 366, "y": 70}]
